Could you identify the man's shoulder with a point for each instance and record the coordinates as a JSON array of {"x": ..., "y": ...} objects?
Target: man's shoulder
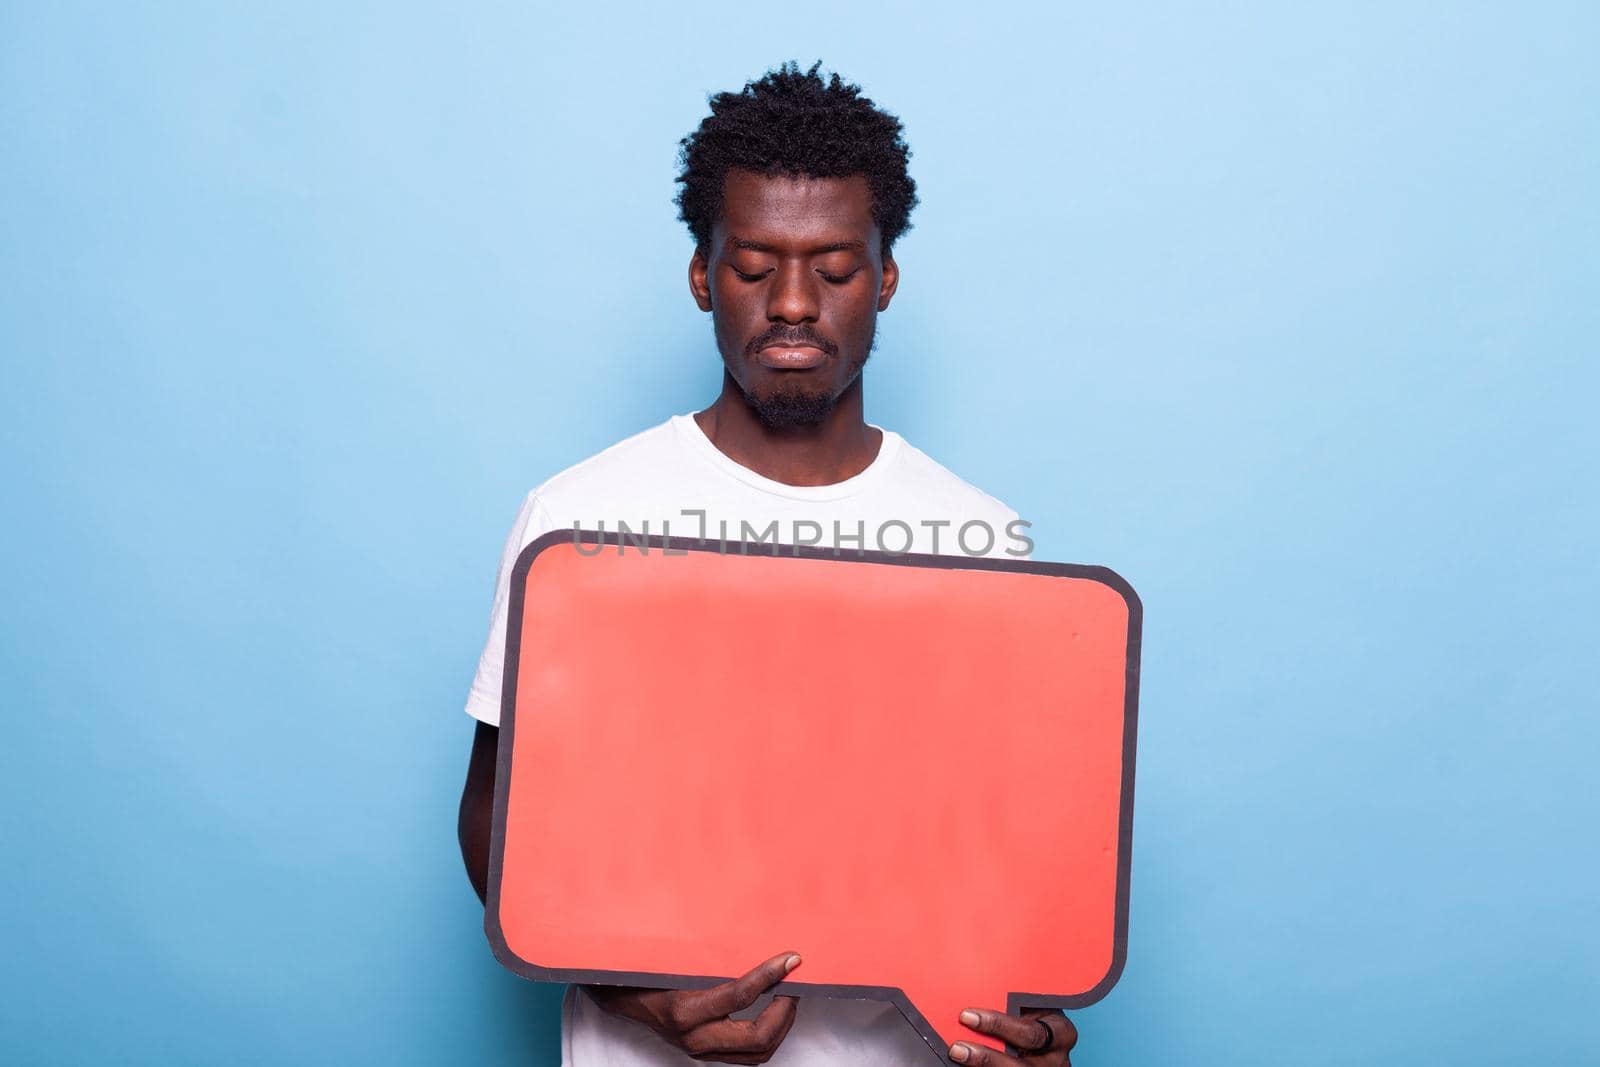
[
  {"x": 619, "y": 465},
  {"x": 932, "y": 481}
]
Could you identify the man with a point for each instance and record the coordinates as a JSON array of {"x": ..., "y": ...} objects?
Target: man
[{"x": 795, "y": 190}]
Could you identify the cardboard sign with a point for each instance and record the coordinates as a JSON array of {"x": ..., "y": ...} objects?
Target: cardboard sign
[{"x": 914, "y": 770}]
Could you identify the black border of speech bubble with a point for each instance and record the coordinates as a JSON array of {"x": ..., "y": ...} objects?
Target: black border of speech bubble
[{"x": 1015, "y": 1001}]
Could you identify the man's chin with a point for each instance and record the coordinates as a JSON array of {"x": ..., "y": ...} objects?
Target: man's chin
[{"x": 791, "y": 409}]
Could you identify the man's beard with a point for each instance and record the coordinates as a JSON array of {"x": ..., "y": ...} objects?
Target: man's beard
[{"x": 793, "y": 409}]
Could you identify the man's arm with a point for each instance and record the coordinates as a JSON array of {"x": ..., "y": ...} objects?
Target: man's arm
[
  {"x": 694, "y": 1020},
  {"x": 476, "y": 816}
]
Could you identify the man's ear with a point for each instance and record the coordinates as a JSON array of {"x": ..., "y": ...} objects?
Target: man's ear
[
  {"x": 891, "y": 281},
  {"x": 700, "y": 279}
]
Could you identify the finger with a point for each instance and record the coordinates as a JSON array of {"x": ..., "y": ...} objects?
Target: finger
[
  {"x": 969, "y": 1055},
  {"x": 1066, "y": 1035},
  {"x": 729, "y": 997},
  {"x": 773, "y": 1024},
  {"x": 1063, "y": 1035},
  {"x": 783, "y": 1010},
  {"x": 735, "y": 1040},
  {"x": 1023, "y": 1034}
]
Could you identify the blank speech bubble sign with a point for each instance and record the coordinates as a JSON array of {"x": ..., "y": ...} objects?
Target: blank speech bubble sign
[{"x": 914, "y": 770}]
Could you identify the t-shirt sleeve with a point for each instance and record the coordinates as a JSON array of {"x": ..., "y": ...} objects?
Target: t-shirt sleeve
[{"x": 483, "y": 699}]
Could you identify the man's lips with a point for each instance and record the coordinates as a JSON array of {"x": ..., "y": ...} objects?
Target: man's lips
[{"x": 788, "y": 355}]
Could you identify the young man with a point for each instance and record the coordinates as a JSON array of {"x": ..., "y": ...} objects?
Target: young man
[{"x": 794, "y": 190}]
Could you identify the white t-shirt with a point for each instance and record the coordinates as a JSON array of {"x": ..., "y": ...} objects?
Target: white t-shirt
[{"x": 670, "y": 479}]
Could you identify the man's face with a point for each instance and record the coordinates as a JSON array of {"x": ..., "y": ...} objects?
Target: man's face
[{"x": 794, "y": 277}]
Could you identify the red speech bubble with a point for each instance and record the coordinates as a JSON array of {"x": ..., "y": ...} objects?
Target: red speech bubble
[{"x": 914, "y": 770}]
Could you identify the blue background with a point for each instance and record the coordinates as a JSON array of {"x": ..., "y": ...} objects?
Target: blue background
[{"x": 1286, "y": 313}]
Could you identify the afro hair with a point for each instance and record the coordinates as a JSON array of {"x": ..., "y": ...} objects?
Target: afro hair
[{"x": 797, "y": 123}]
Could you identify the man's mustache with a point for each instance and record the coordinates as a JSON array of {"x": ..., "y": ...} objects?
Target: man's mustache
[{"x": 791, "y": 335}]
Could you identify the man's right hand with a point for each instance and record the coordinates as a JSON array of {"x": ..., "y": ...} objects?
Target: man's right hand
[{"x": 697, "y": 1020}]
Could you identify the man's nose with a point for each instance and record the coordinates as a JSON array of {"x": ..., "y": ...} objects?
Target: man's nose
[{"x": 793, "y": 296}]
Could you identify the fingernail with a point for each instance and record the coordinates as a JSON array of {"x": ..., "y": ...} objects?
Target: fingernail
[
  {"x": 969, "y": 1018},
  {"x": 791, "y": 963},
  {"x": 958, "y": 1053}
]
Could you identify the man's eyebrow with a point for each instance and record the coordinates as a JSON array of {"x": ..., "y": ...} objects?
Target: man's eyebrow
[{"x": 832, "y": 246}]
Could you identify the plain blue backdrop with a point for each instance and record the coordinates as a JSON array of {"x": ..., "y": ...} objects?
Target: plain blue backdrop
[{"x": 1287, "y": 313}]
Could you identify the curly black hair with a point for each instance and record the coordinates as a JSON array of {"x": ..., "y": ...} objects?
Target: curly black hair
[{"x": 796, "y": 122}]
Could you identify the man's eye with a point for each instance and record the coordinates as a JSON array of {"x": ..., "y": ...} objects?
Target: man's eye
[
  {"x": 743, "y": 277},
  {"x": 838, "y": 279}
]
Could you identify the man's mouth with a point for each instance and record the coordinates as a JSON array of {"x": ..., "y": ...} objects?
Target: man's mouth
[{"x": 790, "y": 355}]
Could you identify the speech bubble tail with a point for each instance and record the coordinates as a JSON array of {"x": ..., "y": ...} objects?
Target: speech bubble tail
[{"x": 936, "y": 1015}]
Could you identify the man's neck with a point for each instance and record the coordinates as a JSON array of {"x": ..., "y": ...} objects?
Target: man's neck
[{"x": 840, "y": 447}]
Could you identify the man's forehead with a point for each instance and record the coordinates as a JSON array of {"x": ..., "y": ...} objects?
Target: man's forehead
[{"x": 761, "y": 210}]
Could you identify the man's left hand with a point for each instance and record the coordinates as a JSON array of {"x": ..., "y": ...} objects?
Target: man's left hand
[{"x": 1041, "y": 1038}]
